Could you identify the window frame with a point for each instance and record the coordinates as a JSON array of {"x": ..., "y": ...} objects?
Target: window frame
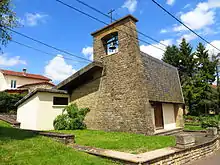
[
  {"x": 107, "y": 40},
  {"x": 13, "y": 84},
  {"x": 59, "y": 102}
]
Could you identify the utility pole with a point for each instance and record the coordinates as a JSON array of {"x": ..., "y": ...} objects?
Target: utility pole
[{"x": 111, "y": 14}]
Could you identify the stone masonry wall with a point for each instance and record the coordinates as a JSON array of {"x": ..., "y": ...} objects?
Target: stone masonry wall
[
  {"x": 86, "y": 96},
  {"x": 187, "y": 155},
  {"x": 123, "y": 104},
  {"x": 178, "y": 108}
]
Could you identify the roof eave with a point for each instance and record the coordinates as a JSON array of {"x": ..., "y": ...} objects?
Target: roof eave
[{"x": 79, "y": 73}]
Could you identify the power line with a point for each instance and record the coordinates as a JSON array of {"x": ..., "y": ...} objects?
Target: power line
[
  {"x": 45, "y": 44},
  {"x": 106, "y": 15},
  {"x": 36, "y": 49},
  {"x": 96, "y": 19},
  {"x": 169, "y": 13}
]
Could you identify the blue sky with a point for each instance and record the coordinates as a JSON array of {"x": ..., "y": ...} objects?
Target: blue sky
[{"x": 64, "y": 28}]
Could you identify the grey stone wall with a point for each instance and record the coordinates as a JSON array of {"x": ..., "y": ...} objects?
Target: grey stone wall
[{"x": 187, "y": 155}]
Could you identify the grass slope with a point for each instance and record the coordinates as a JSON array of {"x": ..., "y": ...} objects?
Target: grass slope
[
  {"x": 18, "y": 147},
  {"x": 127, "y": 142},
  {"x": 193, "y": 127}
]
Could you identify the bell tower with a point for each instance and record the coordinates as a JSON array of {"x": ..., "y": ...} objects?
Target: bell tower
[
  {"x": 115, "y": 39},
  {"x": 122, "y": 103}
]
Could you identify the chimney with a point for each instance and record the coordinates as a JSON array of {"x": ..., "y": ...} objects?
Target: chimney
[{"x": 24, "y": 70}]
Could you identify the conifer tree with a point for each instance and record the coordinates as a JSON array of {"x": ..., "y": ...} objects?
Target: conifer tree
[
  {"x": 205, "y": 76},
  {"x": 187, "y": 61},
  {"x": 171, "y": 56}
]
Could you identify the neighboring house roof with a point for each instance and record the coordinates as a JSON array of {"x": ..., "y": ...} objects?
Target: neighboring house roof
[
  {"x": 37, "y": 83},
  {"x": 16, "y": 91},
  {"x": 162, "y": 80},
  {"x": 22, "y": 74},
  {"x": 39, "y": 90},
  {"x": 79, "y": 77}
]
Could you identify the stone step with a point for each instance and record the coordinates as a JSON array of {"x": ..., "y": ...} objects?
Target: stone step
[{"x": 169, "y": 132}]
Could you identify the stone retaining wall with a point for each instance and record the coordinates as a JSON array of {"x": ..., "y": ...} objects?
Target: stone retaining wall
[{"x": 184, "y": 156}]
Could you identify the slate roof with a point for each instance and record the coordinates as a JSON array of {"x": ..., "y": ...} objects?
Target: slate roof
[
  {"x": 22, "y": 74},
  {"x": 162, "y": 80}
]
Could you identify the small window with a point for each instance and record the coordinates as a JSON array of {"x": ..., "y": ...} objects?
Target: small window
[
  {"x": 13, "y": 84},
  {"x": 111, "y": 43},
  {"x": 60, "y": 101}
]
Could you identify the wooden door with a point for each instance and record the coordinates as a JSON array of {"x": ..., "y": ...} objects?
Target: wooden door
[{"x": 158, "y": 114}]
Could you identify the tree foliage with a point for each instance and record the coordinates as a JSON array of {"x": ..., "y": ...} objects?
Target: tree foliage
[
  {"x": 197, "y": 72},
  {"x": 7, "y": 20},
  {"x": 71, "y": 119},
  {"x": 7, "y": 102}
]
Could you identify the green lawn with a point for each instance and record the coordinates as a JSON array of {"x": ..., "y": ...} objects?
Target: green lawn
[
  {"x": 22, "y": 148},
  {"x": 133, "y": 143},
  {"x": 193, "y": 127}
]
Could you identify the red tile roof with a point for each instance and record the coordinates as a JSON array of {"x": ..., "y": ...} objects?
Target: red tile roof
[
  {"x": 22, "y": 74},
  {"x": 37, "y": 83}
]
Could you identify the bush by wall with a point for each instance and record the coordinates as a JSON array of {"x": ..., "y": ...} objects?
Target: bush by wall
[
  {"x": 7, "y": 102},
  {"x": 71, "y": 119},
  {"x": 210, "y": 122}
]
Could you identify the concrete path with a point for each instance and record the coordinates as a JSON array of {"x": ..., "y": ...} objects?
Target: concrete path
[{"x": 211, "y": 160}]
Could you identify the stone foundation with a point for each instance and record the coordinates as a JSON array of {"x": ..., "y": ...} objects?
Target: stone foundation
[{"x": 184, "y": 156}]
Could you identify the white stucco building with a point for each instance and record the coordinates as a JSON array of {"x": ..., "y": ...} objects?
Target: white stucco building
[
  {"x": 13, "y": 81},
  {"x": 38, "y": 109}
]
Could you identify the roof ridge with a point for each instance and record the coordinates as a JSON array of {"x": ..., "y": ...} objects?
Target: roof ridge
[{"x": 30, "y": 75}]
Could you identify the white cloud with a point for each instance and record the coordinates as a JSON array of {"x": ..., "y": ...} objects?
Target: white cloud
[
  {"x": 189, "y": 37},
  {"x": 201, "y": 17},
  {"x": 157, "y": 53},
  {"x": 170, "y": 2},
  {"x": 187, "y": 6},
  {"x": 88, "y": 52},
  {"x": 57, "y": 69},
  {"x": 196, "y": 19},
  {"x": 33, "y": 19},
  {"x": 164, "y": 31},
  {"x": 211, "y": 49},
  {"x": 6, "y": 61},
  {"x": 131, "y": 5}
]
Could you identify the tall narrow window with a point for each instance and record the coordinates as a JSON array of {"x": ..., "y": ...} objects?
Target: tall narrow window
[
  {"x": 111, "y": 43},
  {"x": 13, "y": 84}
]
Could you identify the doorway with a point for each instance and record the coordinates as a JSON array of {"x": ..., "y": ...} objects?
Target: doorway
[{"x": 158, "y": 114}]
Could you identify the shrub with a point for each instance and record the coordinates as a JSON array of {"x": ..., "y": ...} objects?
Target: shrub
[
  {"x": 210, "y": 122},
  {"x": 7, "y": 102},
  {"x": 71, "y": 119}
]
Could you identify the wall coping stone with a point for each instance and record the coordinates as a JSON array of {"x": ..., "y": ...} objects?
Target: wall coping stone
[
  {"x": 212, "y": 131},
  {"x": 185, "y": 140},
  {"x": 143, "y": 157},
  {"x": 64, "y": 138}
]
